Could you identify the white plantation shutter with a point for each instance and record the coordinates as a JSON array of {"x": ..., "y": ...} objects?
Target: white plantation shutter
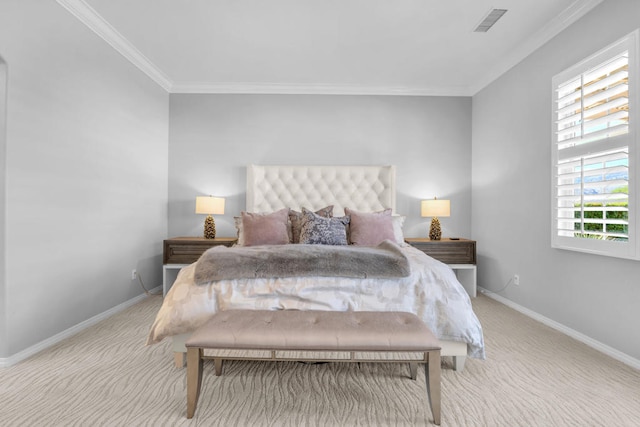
[
  {"x": 593, "y": 184},
  {"x": 594, "y": 105},
  {"x": 594, "y": 147}
]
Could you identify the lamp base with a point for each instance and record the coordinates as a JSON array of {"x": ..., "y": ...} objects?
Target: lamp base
[
  {"x": 209, "y": 228},
  {"x": 435, "y": 233}
]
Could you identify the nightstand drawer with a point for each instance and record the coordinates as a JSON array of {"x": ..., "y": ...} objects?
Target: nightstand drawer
[
  {"x": 187, "y": 250},
  {"x": 183, "y": 253},
  {"x": 462, "y": 251}
]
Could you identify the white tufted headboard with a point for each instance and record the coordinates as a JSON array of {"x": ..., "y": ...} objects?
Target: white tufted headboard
[{"x": 362, "y": 188}]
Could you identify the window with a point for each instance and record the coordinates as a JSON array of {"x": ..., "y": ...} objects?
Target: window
[{"x": 595, "y": 153}]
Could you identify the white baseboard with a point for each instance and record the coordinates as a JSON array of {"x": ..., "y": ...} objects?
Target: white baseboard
[
  {"x": 603, "y": 348},
  {"x": 43, "y": 345},
  {"x": 610, "y": 351}
]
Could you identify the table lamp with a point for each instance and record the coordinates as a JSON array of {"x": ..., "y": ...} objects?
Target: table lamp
[
  {"x": 435, "y": 208},
  {"x": 209, "y": 205}
]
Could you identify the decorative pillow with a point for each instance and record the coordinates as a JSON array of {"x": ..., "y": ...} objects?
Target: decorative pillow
[
  {"x": 266, "y": 229},
  {"x": 318, "y": 230},
  {"x": 398, "y": 222},
  {"x": 296, "y": 221},
  {"x": 237, "y": 221},
  {"x": 370, "y": 229}
]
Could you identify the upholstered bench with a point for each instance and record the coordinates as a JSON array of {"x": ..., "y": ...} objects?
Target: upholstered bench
[{"x": 314, "y": 335}]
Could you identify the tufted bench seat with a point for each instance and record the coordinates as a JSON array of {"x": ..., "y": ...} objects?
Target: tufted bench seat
[{"x": 314, "y": 335}]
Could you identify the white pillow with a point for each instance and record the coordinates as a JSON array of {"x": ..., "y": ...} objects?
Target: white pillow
[{"x": 398, "y": 221}]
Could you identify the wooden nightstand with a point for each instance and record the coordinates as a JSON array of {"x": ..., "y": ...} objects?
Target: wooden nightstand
[
  {"x": 459, "y": 254},
  {"x": 179, "y": 252}
]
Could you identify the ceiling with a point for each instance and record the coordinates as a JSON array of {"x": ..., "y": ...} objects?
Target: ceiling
[{"x": 401, "y": 47}]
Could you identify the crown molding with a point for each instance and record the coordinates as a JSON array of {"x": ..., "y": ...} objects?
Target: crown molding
[
  {"x": 564, "y": 19},
  {"x": 87, "y": 15},
  {"x": 96, "y": 23},
  {"x": 577, "y": 10},
  {"x": 314, "y": 89}
]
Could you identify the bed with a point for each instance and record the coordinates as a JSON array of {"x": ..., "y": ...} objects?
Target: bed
[{"x": 428, "y": 287}]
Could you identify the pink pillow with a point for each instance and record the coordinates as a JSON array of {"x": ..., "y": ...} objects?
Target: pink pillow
[
  {"x": 370, "y": 229},
  {"x": 266, "y": 229}
]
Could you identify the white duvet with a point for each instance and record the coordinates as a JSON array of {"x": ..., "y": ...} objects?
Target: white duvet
[{"x": 431, "y": 291}]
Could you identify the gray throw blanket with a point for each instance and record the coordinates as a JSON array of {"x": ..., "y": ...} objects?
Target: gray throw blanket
[{"x": 297, "y": 260}]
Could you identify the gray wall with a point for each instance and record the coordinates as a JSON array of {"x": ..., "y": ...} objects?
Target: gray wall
[
  {"x": 213, "y": 137},
  {"x": 3, "y": 157},
  {"x": 89, "y": 137},
  {"x": 596, "y": 296},
  {"x": 86, "y": 153}
]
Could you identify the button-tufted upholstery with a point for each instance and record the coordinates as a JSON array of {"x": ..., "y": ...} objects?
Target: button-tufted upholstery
[
  {"x": 315, "y": 330},
  {"x": 362, "y": 188}
]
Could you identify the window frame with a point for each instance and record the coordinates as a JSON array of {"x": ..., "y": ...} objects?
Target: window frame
[{"x": 631, "y": 248}]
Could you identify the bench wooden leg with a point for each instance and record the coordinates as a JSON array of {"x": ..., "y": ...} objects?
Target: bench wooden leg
[
  {"x": 217, "y": 363},
  {"x": 432, "y": 372},
  {"x": 194, "y": 378}
]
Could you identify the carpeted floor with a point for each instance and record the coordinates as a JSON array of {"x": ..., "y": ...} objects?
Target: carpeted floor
[{"x": 533, "y": 376}]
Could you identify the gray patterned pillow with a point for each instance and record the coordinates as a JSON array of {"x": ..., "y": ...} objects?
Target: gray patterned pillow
[
  {"x": 317, "y": 230},
  {"x": 296, "y": 221}
]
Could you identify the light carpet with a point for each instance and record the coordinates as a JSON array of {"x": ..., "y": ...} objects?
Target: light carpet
[{"x": 533, "y": 376}]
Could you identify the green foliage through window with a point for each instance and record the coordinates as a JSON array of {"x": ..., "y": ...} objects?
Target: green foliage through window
[{"x": 603, "y": 226}]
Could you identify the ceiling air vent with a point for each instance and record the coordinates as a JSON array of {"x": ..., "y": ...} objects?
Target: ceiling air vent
[{"x": 491, "y": 18}]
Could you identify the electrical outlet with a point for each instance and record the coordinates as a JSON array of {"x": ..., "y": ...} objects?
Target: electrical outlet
[
  {"x": 516, "y": 280},
  {"x": 134, "y": 274}
]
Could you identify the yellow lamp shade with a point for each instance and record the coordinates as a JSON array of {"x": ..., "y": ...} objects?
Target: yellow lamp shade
[
  {"x": 435, "y": 208},
  {"x": 210, "y": 205}
]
